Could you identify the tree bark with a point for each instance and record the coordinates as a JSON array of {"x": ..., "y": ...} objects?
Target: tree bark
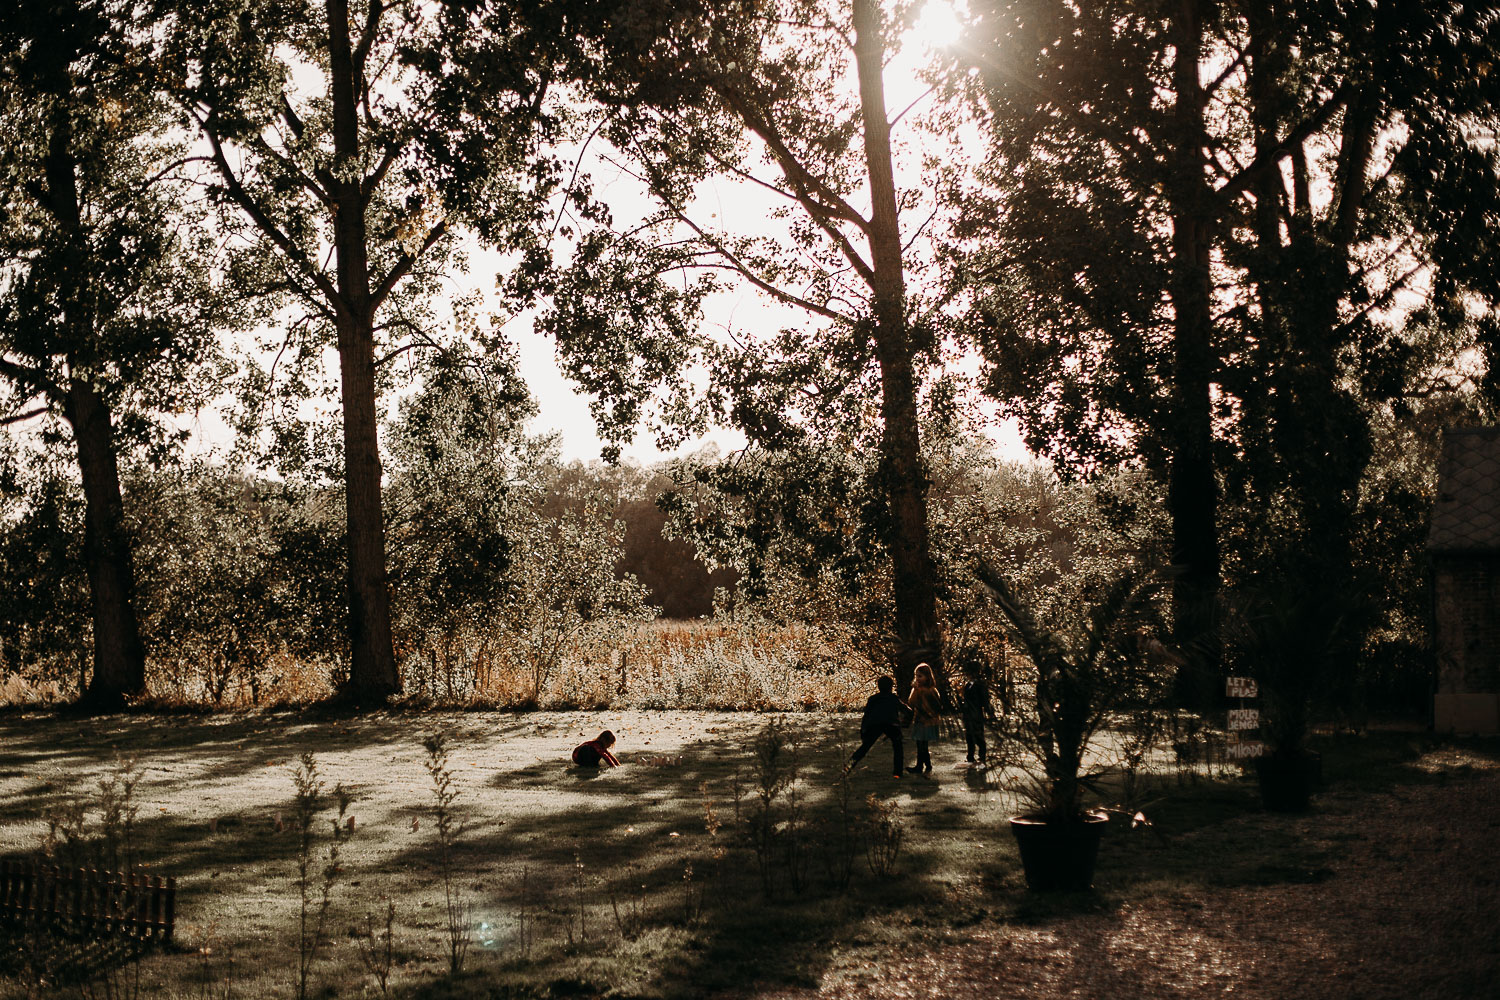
[
  {"x": 903, "y": 471},
  {"x": 1192, "y": 487},
  {"x": 372, "y": 660},
  {"x": 119, "y": 656}
]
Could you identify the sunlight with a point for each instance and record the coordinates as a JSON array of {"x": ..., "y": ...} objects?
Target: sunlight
[{"x": 939, "y": 25}]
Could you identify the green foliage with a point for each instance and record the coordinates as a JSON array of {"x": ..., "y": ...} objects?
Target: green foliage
[
  {"x": 44, "y": 608},
  {"x": 460, "y": 473},
  {"x": 108, "y": 265},
  {"x": 1345, "y": 317},
  {"x": 235, "y": 569},
  {"x": 562, "y": 587},
  {"x": 757, "y": 95}
]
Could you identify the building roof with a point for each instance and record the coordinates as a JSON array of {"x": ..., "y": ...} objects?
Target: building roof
[{"x": 1466, "y": 517}]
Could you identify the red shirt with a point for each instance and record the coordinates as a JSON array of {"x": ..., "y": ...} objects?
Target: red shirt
[{"x": 591, "y": 754}]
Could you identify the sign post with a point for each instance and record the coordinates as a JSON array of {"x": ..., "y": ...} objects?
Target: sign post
[{"x": 1243, "y": 720}]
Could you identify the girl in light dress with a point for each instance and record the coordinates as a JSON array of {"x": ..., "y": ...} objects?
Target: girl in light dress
[{"x": 926, "y": 706}]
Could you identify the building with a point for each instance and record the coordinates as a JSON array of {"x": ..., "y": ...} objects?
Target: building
[{"x": 1464, "y": 544}]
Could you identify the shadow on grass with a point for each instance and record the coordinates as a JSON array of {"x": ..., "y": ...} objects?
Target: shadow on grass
[
  {"x": 598, "y": 862},
  {"x": 51, "y": 958},
  {"x": 222, "y": 747},
  {"x": 1213, "y": 833},
  {"x": 673, "y": 910}
]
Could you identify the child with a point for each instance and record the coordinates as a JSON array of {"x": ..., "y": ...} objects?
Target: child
[
  {"x": 926, "y": 707},
  {"x": 976, "y": 706},
  {"x": 882, "y": 717},
  {"x": 595, "y": 752}
]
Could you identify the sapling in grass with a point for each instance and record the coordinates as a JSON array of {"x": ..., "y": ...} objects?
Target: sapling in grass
[
  {"x": 772, "y": 775},
  {"x": 460, "y": 926},
  {"x": 314, "y": 884},
  {"x": 885, "y": 829},
  {"x": 377, "y": 947},
  {"x": 109, "y": 969},
  {"x": 69, "y": 839},
  {"x": 578, "y": 901},
  {"x": 841, "y": 844},
  {"x": 632, "y": 920},
  {"x": 793, "y": 829},
  {"x": 692, "y": 895},
  {"x": 215, "y": 978},
  {"x": 526, "y": 915}
]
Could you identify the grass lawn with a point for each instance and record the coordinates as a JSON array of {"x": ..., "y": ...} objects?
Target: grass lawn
[{"x": 612, "y": 884}]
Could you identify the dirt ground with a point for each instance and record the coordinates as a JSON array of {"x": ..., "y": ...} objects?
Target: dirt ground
[
  {"x": 1408, "y": 908},
  {"x": 1402, "y": 901}
]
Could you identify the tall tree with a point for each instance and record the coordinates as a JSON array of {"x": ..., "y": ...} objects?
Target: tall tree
[
  {"x": 1167, "y": 277},
  {"x": 104, "y": 307},
  {"x": 788, "y": 98},
  {"x": 353, "y": 138}
]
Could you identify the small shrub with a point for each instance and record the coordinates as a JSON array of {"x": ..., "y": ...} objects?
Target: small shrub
[
  {"x": 377, "y": 947},
  {"x": 580, "y": 907},
  {"x": 773, "y": 775},
  {"x": 885, "y": 829},
  {"x": 841, "y": 834},
  {"x": 459, "y": 926},
  {"x": 314, "y": 886}
]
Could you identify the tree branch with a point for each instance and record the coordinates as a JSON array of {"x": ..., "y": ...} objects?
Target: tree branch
[
  {"x": 775, "y": 291},
  {"x": 263, "y": 221},
  {"x": 1267, "y": 160},
  {"x": 32, "y": 377},
  {"x": 16, "y": 418},
  {"x": 404, "y": 265}
]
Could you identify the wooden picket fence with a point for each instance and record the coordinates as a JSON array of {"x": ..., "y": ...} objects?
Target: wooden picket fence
[{"x": 88, "y": 902}]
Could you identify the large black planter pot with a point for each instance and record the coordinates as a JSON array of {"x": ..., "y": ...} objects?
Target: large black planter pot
[
  {"x": 1059, "y": 856},
  {"x": 1287, "y": 781}
]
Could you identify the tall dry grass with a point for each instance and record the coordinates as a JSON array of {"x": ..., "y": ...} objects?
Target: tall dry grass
[{"x": 720, "y": 665}]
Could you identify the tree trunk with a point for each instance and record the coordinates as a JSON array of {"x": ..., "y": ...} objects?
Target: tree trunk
[
  {"x": 119, "y": 657},
  {"x": 372, "y": 659},
  {"x": 1192, "y": 488},
  {"x": 903, "y": 472}
]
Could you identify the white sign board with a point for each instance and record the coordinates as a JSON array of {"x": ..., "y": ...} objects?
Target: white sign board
[
  {"x": 1239, "y": 751},
  {"x": 1241, "y": 687},
  {"x": 1244, "y": 718}
]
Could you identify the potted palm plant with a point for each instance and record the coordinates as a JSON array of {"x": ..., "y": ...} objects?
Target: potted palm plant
[
  {"x": 1294, "y": 639},
  {"x": 1095, "y": 661}
]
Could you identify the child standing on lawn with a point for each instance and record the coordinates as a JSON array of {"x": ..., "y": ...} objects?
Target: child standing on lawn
[
  {"x": 883, "y": 713},
  {"x": 595, "y": 752},
  {"x": 926, "y": 707},
  {"x": 976, "y": 708}
]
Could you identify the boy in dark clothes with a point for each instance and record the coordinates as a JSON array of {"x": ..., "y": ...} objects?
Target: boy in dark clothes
[
  {"x": 595, "y": 752},
  {"x": 883, "y": 714},
  {"x": 976, "y": 706}
]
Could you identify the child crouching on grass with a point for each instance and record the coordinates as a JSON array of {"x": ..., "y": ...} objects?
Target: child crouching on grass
[{"x": 595, "y": 752}]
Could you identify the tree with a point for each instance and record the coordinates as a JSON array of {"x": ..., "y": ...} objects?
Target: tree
[
  {"x": 1165, "y": 276},
  {"x": 105, "y": 307},
  {"x": 461, "y": 479},
  {"x": 350, "y": 191},
  {"x": 712, "y": 89}
]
